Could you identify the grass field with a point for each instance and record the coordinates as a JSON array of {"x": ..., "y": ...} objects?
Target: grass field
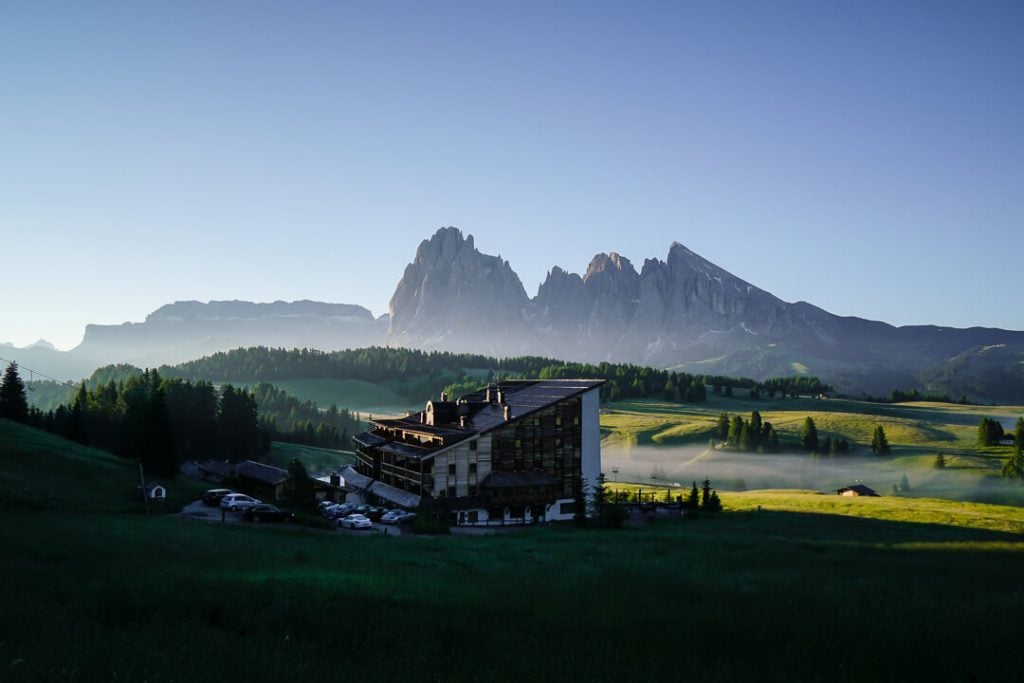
[
  {"x": 315, "y": 460},
  {"x": 809, "y": 588},
  {"x": 365, "y": 398},
  {"x": 648, "y": 438},
  {"x": 927, "y": 426}
]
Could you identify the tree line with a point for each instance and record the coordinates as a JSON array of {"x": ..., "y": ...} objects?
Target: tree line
[{"x": 417, "y": 374}]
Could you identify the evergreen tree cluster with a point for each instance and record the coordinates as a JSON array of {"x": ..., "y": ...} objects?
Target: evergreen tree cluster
[
  {"x": 415, "y": 374},
  {"x": 703, "y": 500},
  {"x": 914, "y": 395},
  {"x": 286, "y": 418},
  {"x": 801, "y": 385},
  {"x": 990, "y": 432},
  {"x": 811, "y": 441},
  {"x": 746, "y": 436},
  {"x": 160, "y": 421}
]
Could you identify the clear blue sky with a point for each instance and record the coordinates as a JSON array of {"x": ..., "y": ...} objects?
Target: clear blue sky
[{"x": 867, "y": 157}]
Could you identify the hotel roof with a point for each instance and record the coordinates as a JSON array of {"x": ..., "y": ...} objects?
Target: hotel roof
[{"x": 451, "y": 422}]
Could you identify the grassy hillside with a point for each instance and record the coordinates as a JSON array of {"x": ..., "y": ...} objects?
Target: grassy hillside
[
  {"x": 668, "y": 441},
  {"x": 315, "y": 460},
  {"x": 41, "y": 471},
  {"x": 916, "y": 425},
  {"x": 359, "y": 396},
  {"x": 812, "y": 587}
]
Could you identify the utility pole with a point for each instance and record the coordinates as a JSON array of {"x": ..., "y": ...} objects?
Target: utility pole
[{"x": 142, "y": 487}]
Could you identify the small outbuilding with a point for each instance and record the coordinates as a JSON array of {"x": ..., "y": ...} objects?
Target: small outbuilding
[
  {"x": 265, "y": 482},
  {"x": 156, "y": 492},
  {"x": 857, "y": 490}
]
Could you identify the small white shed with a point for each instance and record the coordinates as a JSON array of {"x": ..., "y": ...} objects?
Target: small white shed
[{"x": 156, "y": 492}]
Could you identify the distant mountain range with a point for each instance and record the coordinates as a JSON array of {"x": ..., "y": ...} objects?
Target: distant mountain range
[{"x": 683, "y": 312}]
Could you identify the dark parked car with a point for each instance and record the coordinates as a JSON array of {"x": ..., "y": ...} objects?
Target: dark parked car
[
  {"x": 343, "y": 510},
  {"x": 267, "y": 513},
  {"x": 213, "y": 496},
  {"x": 375, "y": 513}
]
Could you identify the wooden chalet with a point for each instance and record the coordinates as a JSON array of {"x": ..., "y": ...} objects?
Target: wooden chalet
[
  {"x": 265, "y": 482},
  {"x": 510, "y": 453},
  {"x": 857, "y": 490}
]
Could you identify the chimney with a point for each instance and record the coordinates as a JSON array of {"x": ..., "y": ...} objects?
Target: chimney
[
  {"x": 462, "y": 421},
  {"x": 335, "y": 479},
  {"x": 423, "y": 418},
  {"x": 508, "y": 412},
  {"x": 444, "y": 397},
  {"x": 501, "y": 396},
  {"x": 487, "y": 396}
]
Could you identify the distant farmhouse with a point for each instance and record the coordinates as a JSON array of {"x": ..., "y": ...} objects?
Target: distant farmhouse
[
  {"x": 857, "y": 490},
  {"x": 512, "y": 453}
]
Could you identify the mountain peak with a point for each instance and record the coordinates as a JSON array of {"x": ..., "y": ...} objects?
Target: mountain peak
[
  {"x": 613, "y": 262},
  {"x": 447, "y": 244}
]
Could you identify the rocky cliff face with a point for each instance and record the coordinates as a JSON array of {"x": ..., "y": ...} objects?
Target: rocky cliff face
[
  {"x": 190, "y": 329},
  {"x": 682, "y": 312},
  {"x": 452, "y": 297}
]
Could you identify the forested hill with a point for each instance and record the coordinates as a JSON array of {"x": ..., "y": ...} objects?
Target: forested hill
[{"x": 418, "y": 375}]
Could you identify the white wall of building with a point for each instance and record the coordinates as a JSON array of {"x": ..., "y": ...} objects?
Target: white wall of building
[{"x": 590, "y": 423}]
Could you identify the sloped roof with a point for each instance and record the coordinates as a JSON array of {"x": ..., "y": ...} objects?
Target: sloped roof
[
  {"x": 396, "y": 496},
  {"x": 482, "y": 413},
  {"x": 354, "y": 479},
  {"x": 268, "y": 474},
  {"x": 860, "y": 489}
]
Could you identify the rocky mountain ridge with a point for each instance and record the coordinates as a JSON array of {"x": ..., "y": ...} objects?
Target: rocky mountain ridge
[{"x": 683, "y": 312}]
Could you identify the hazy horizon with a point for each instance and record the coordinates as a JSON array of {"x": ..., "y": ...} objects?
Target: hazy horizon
[{"x": 865, "y": 159}]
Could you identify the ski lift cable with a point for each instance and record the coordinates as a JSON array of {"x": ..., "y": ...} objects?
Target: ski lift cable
[{"x": 32, "y": 373}]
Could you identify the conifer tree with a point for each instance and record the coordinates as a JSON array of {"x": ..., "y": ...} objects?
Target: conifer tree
[
  {"x": 302, "y": 486},
  {"x": 76, "y": 430},
  {"x": 723, "y": 426},
  {"x": 879, "y": 443},
  {"x": 1018, "y": 432},
  {"x": 735, "y": 431},
  {"x": 940, "y": 461},
  {"x": 13, "y": 401},
  {"x": 1014, "y": 467},
  {"x": 904, "y": 483},
  {"x": 756, "y": 426},
  {"x": 693, "y": 502},
  {"x": 809, "y": 436}
]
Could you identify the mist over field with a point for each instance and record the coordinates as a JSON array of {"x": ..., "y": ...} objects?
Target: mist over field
[{"x": 731, "y": 471}]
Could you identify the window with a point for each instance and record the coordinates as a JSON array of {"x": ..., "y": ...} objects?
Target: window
[
  {"x": 518, "y": 443},
  {"x": 558, "y": 442},
  {"x": 558, "y": 421},
  {"x": 472, "y": 468},
  {"x": 567, "y": 508},
  {"x": 472, "y": 445},
  {"x": 472, "y": 489},
  {"x": 451, "y": 469}
]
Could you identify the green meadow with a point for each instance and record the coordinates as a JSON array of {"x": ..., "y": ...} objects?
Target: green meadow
[
  {"x": 315, "y": 460},
  {"x": 651, "y": 441},
  {"x": 809, "y": 587},
  {"x": 358, "y": 396}
]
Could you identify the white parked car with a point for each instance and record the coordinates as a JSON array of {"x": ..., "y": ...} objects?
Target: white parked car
[
  {"x": 238, "y": 501},
  {"x": 355, "y": 521}
]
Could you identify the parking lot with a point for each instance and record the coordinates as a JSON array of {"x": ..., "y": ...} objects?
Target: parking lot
[{"x": 199, "y": 511}]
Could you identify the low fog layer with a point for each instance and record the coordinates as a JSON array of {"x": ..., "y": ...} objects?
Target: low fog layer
[{"x": 730, "y": 471}]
